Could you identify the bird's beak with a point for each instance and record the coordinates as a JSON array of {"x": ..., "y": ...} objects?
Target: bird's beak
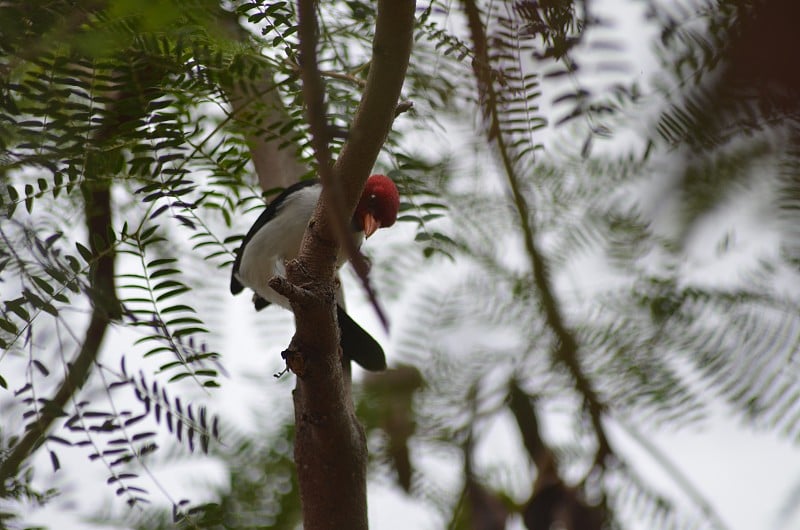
[{"x": 370, "y": 224}]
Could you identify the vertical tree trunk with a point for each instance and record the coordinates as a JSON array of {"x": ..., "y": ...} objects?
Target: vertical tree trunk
[{"x": 330, "y": 445}]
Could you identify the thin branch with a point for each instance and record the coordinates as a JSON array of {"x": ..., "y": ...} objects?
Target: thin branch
[
  {"x": 528, "y": 422},
  {"x": 97, "y": 204},
  {"x": 314, "y": 96},
  {"x": 677, "y": 475},
  {"x": 350, "y": 78},
  {"x": 391, "y": 49},
  {"x": 292, "y": 292},
  {"x": 314, "y": 99},
  {"x": 567, "y": 351}
]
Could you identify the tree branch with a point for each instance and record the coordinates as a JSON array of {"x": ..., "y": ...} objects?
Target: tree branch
[
  {"x": 330, "y": 445},
  {"x": 276, "y": 167},
  {"x": 97, "y": 207},
  {"x": 567, "y": 351}
]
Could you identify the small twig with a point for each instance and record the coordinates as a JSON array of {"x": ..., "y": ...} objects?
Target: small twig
[
  {"x": 403, "y": 106},
  {"x": 350, "y": 78},
  {"x": 314, "y": 96},
  {"x": 677, "y": 475},
  {"x": 295, "y": 294},
  {"x": 295, "y": 361}
]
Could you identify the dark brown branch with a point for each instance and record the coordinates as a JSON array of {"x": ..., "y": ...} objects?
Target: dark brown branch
[
  {"x": 566, "y": 352},
  {"x": 552, "y": 502},
  {"x": 97, "y": 205},
  {"x": 330, "y": 445},
  {"x": 314, "y": 95},
  {"x": 527, "y": 420}
]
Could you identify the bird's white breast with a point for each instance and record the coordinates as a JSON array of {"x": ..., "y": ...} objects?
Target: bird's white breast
[{"x": 277, "y": 241}]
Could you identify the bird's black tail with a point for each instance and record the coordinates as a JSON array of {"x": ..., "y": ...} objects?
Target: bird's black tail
[{"x": 359, "y": 345}]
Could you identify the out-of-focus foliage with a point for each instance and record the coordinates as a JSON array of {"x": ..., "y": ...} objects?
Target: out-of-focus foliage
[{"x": 669, "y": 270}]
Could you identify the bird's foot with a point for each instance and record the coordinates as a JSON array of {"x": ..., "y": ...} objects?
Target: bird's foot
[{"x": 294, "y": 361}]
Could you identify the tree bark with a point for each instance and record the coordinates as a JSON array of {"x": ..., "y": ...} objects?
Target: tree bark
[{"x": 330, "y": 445}]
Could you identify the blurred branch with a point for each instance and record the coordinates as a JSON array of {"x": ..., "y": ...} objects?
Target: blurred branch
[
  {"x": 485, "y": 509},
  {"x": 276, "y": 166},
  {"x": 567, "y": 351},
  {"x": 389, "y": 395},
  {"x": 528, "y": 423},
  {"x": 105, "y": 307},
  {"x": 677, "y": 475},
  {"x": 552, "y": 502}
]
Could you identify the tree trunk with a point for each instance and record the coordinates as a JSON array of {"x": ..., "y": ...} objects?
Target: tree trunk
[{"x": 330, "y": 445}]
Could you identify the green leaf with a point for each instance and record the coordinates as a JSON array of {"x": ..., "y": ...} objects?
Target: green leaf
[
  {"x": 188, "y": 331},
  {"x": 170, "y": 294},
  {"x": 8, "y": 326},
  {"x": 43, "y": 285},
  {"x": 54, "y": 461},
  {"x": 17, "y": 306},
  {"x": 147, "y": 232},
  {"x": 29, "y": 193},
  {"x": 39, "y": 303},
  {"x": 85, "y": 253},
  {"x": 179, "y": 307},
  {"x": 164, "y": 272},
  {"x": 178, "y": 377},
  {"x": 167, "y": 284},
  {"x": 159, "y": 262},
  {"x": 184, "y": 320},
  {"x": 170, "y": 365}
]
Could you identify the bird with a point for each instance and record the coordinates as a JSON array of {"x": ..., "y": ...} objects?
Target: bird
[{"x": 276, "y": 236}]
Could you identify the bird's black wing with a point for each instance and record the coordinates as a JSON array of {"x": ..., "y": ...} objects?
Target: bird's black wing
[
  {"x": 358, "y": 345},
  {"x": 266, "y": 216},
  {"x": 260, "y": 303}
]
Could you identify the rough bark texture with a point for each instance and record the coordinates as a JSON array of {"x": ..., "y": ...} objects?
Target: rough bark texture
[{"x": 330, "y": 446}]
